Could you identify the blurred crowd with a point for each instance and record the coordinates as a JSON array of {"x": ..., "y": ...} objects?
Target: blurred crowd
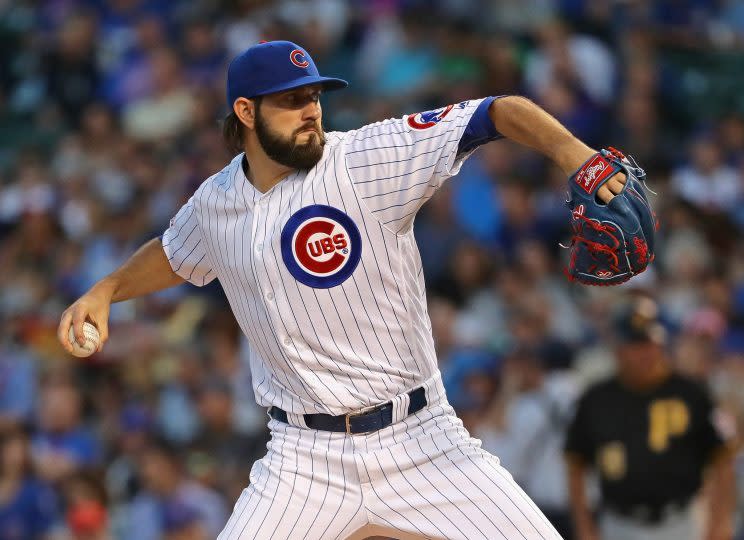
[{"x": 110, "y": 118}]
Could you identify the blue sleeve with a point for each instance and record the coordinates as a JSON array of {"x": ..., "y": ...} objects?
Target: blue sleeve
[
  {"x": 480, "y": 129},
  {"x": 83, "y": 447},
  {"x": 20, "y": 394},
  {"x": 90, "y": 450},
  {"x": 46, "y": 510}
]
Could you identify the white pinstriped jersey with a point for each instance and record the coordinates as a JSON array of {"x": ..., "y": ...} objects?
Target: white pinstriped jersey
[{"x": 322, "y": 271}]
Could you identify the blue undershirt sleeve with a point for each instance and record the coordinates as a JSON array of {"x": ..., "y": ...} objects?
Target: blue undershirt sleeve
[{"x": 480, "y": 129}]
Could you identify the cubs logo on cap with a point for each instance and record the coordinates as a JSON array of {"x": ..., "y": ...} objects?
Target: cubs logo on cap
[
  {"x": 427, "y": 119},
  {"x": 321, "y": 246},
  {"x": 297, "y": 57},
  {"x": 274, "y": 66}
]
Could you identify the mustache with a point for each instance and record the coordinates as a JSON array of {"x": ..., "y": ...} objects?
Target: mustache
[{"x": 313, "y": 127}]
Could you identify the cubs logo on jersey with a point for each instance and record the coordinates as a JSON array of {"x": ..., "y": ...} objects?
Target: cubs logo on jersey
[
  {"x": 321, "y": 246},
  {"x": 427, "y": 119}
]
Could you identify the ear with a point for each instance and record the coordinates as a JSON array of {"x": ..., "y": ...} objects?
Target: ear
[{"x": 245, "y": 110}]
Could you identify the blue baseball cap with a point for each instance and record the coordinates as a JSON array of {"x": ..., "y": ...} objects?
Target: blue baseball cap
[{"x": 274, "y": 66}]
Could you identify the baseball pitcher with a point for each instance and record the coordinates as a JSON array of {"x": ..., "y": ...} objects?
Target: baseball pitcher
[{"x": 310, "y": 234}]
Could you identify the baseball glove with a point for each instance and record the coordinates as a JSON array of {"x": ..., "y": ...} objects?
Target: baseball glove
[{"x": 611, "y": 242}]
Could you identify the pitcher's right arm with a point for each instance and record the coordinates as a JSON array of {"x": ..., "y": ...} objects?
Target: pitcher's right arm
[{"x": 147, "y": 270}]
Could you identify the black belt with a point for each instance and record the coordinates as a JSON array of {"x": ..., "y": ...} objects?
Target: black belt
[
  {"x": 650, "y": 514},
  {"x": 362, "y": 421}
]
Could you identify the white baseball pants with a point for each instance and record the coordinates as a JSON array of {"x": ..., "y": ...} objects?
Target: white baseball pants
[
  {"x": 676, "y": 526},
  {"x": 422, "y": 477}
]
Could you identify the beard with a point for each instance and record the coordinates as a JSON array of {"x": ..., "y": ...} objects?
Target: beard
[{"x": 286, "y": 151}]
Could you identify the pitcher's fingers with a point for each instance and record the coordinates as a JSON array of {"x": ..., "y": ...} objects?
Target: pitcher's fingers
[
  {"x": 63, "y": 331},
  {"x": 616, "y": 184},
  {"x": 78, "y": 318},
  {"x": 102, "y": 325},
  {"x": 604, "y": 194}
]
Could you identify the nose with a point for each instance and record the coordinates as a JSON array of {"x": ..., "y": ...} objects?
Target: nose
[{"x": 311, "y": 111}]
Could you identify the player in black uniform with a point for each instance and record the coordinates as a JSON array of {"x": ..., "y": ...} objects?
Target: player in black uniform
[{"x": 650, "y": 435}]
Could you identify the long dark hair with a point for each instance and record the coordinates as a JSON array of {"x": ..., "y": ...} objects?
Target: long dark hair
[{"x": 233, "y": 130}]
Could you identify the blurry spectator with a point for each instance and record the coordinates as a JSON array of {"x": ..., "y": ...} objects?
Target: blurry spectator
[
  {"x": 17, "y": 378},
  {"x": 182, "y": 522},
  {"x": 731, "y": 135},
  {"x": 519, "y": 217},
  {"x": 638, "y": 132},
  {"x": 651, "y": 434},
  {"x": 330, "y": 15},
  {"x": 30, "y": 193},
  {"x": 72, "y": 74},
  {"x": 135, "y": 425},
  {"x": 86, "y": 515},
  {"x": 438, "y": 236},
  {"x": 109, "y": 248},
  {"x": 539, "y": 404},
  {"x": 167, "y": 111},
  {"x": 225, "y": 339},
  {"x": 578, "y": 61},
  {"x": 218, "y": 438},
  {"x": 470, "y": 376},
  {"x": 165, "y": 483},
  {"x": 408, "y": 69},
  {"x": 28, "y": 506},
  {"x": 475, "y": 201},
  {"x": 176, "y": 413},
  {"x": 203, "y": 55},
  {"x": 500, "y": 65},
  {"x": 519, "y": 16},
  {"x": 118, "y": 22},
  {"x": 62, "y": 445},
  {"x": 563, "y": 316},
  {"x": 246, "y": 24},
  {"x": 697, "y": 346},
  {"x": 442, "y": 314},
  {"x": 100, "y": 137},
  {"x": 469, "y": 271},
  {"x": 129, "y": 73},
  {"x": 573, "y": 109},
  {"x": 707, "y": 182},
  {"x": 228, "y": 351},
  {"x": 687, "y": 258}
]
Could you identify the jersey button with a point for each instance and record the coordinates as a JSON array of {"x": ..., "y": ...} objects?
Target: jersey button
[
  {"x": 269, "y": 295},
  {"x": 259, "y": 247},
  {"x": 287, "y": 341}
]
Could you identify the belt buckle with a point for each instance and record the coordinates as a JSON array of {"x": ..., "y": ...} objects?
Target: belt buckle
[{"x": 349, "y": 416}]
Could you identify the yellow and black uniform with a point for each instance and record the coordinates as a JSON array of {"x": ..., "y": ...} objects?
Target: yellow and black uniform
[{"x": 650, "y": 448}]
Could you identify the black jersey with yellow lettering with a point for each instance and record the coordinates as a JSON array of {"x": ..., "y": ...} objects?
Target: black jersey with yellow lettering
[{"x": 649, "y": 448}]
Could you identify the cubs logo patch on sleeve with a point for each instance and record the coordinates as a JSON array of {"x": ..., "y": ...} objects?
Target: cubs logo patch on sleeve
[
  {"x": 427, "y": 119},
  {"x": 321, "y": 246}
]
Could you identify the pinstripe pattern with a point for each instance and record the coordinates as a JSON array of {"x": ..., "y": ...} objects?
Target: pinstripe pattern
[
  {"x": 305, "y": 487},
  {"x": 438, "y": 471},
  {"x": 358, "y": 341},
  {"x": 423, "y": 477},
  {"x": 365, "y": 340}
]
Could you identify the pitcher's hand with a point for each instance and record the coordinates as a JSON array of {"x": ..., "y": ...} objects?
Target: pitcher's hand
[{"x": 93, "y": 306}]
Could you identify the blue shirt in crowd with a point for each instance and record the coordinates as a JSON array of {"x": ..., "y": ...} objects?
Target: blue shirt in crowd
[{"x": 30, "y": 514}]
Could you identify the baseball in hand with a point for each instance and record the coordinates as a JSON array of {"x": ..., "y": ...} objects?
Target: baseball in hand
[{"x": 92, "y": 339}]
